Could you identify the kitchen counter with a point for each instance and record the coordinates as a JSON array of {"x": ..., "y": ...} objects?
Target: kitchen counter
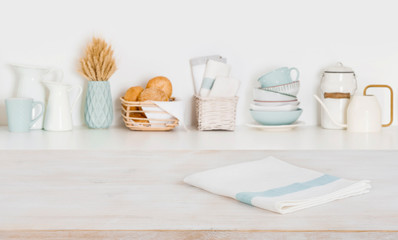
[
  {"x": 244, "y": 138},
  {"x": 140, "y": 194}
]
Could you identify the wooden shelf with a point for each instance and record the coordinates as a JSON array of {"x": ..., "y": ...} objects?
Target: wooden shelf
[{"x": 244, "y": 138}]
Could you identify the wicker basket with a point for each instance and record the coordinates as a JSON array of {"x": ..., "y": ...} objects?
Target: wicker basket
[
  {"x": 216, "y": 113},
  {"x": 146, "y": 116}
]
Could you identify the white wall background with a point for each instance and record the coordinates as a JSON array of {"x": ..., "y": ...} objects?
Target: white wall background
[{"x": 158, "y": 37}]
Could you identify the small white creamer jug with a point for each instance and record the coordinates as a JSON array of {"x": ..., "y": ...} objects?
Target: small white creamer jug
[{"x": 58, "y": 115}]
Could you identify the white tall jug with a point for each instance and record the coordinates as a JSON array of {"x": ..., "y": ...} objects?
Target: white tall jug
[
  {"x": 29, "y": 86},
  {"x": 338, "y": 84}
]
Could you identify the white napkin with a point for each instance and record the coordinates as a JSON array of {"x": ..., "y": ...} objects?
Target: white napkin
[
  {"x": 175, "y": 110},
  {"x": 276, "y": 185},
  {"x": 198, "y": 67},
  {"x": 224, "y": 87},
  {"x": 213, "y": 69}
]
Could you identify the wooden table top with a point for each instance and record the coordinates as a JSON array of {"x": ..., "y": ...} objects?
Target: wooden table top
[{"x": 143, "y": 191}]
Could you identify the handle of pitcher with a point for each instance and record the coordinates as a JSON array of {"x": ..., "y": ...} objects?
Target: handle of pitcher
[
  {"x": 391, "y": 100},
  {"x": 80, "y": 90},
  {"x": 297, "y": 73}
]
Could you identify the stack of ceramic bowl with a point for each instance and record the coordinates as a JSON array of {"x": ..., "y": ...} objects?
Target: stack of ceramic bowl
[{"x": 275, "y": 102}]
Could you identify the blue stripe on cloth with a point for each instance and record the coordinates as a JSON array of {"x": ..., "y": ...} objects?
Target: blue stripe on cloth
[
  {"x": 246, "y": 197},
  {"x": 207, "y": 83}
]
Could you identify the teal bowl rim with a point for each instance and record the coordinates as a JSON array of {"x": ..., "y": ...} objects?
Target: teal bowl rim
[{"x": 296, "y": 113}]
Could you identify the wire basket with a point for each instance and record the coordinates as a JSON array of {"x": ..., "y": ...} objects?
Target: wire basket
[
  {"x": 146, "y": 116},
  {"x": 214, "y": 113}
]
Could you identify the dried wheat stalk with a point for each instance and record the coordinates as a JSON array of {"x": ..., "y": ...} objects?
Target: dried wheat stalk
[{"x": 98, "y": 64}]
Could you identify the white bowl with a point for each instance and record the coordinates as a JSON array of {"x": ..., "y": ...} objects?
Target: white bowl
[
  {"x": 276, "y": 103},
  {"x": 289, "y": 88},
  {"x": 264, "y": 95},
  {"x": 279, "y": 108}
]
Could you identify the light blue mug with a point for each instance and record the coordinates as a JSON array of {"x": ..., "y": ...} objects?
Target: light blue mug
[
  {"x": 19, "y": 113},
  {"x": 278, "y": 77}
]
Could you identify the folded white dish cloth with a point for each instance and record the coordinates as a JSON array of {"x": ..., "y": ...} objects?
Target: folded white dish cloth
[
  {"x": 213, "y": 69},
  {"x": 276, "y": 185},
  {"x": 224, "y": 87}
]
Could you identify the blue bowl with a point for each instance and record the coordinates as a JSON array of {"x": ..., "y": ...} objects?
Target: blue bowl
[{"x": 276, "y": 118}]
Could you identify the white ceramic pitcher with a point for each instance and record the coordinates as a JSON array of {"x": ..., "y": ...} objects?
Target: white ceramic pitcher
[
  {"x": 363, "y": 112},
  {"x": 58, "y": 115},
  {"x": 29, "y": 86}
]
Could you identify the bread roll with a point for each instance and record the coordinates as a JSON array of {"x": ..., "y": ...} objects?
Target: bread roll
[
  {"x": 139, "y": 115},
  {"x": 162, "y": 83},
  {"x": 133, "y": 93},
  {"x": 154, "y": 94},
  {"x": 132, "y": 96}
]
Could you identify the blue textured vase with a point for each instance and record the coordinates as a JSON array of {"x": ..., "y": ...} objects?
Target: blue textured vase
[{"x": 98, "y": 112}]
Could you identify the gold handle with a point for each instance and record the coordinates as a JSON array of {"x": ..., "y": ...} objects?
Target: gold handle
[{"x": 391, "y": 104}]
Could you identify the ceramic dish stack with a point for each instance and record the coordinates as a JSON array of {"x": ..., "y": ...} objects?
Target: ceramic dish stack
[{"x": 275, "y": 104}]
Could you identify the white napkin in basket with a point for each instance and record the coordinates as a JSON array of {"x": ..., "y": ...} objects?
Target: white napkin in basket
[
  {"x": 224, "y": 87},
  {"x": 276, "y": 185},
  {"x": 175, "y": 109},
  {"x": 198, "y": 67}
]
